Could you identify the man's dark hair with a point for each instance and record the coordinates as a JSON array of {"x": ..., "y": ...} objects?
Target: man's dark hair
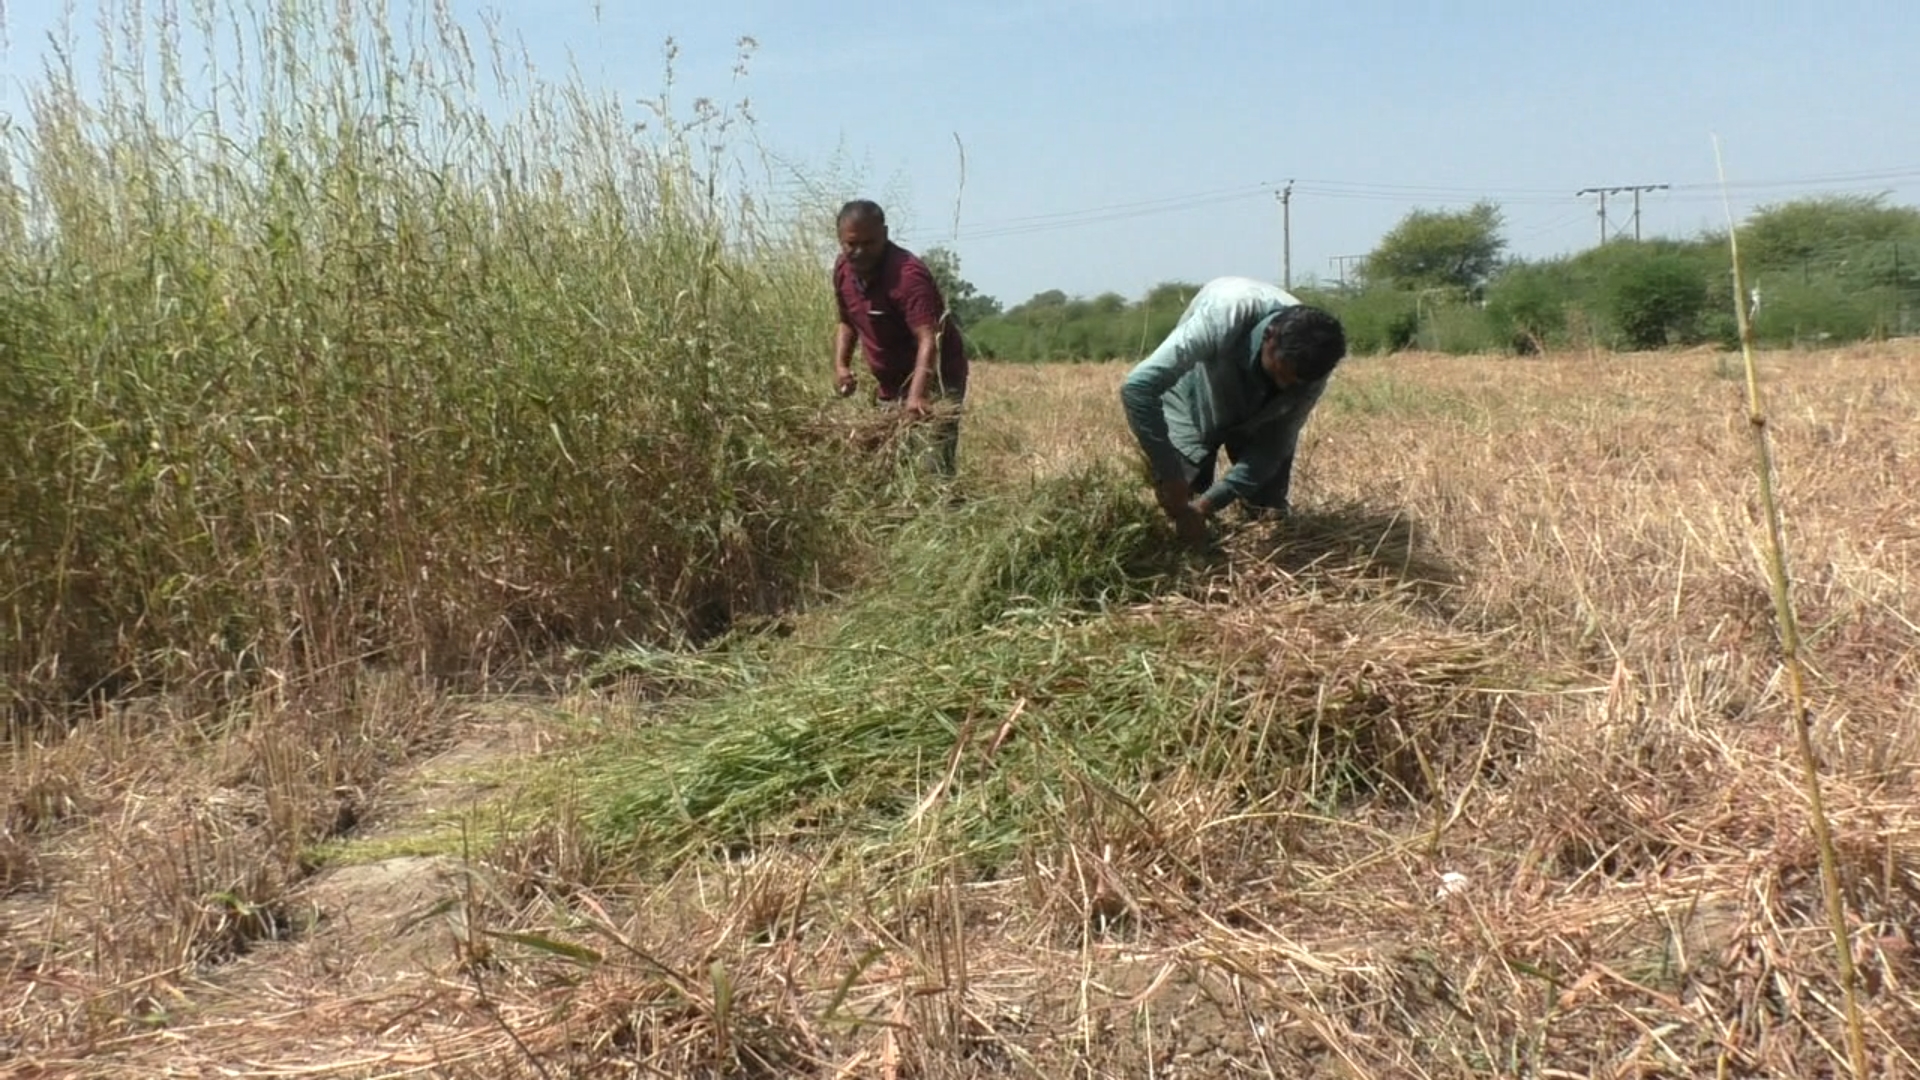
[
  {"x": 861, "y": 210},
  {"x": 1312, "y": 341}
]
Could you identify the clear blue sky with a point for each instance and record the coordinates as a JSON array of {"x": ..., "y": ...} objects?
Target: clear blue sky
[{"x": 1113, "y": 144}]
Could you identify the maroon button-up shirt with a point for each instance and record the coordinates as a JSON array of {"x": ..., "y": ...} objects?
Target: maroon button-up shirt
[{"x": 885, "y": 312}]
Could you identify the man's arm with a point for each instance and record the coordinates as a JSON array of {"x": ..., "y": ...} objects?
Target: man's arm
[
  {"x": 926, "y": 357},
  {"x": 843, "y": 338},
  {"x": 1149, "y": 381},
  {"x": 926, "y": 312},
  {"x": 1267, "y": 463}
]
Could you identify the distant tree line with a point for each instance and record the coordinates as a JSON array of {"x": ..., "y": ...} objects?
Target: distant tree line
[{"x": 1831, "y": 268}]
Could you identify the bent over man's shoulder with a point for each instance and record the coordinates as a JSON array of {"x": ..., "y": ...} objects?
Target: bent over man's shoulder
[
  {"x": 1237, "y": 290},
  {"x": 1229, "y": 302}
]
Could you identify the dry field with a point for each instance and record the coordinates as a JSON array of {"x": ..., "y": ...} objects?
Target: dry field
[{"x": 1576, "y": 845}]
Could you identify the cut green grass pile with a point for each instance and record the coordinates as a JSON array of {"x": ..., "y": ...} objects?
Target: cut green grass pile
[{"x": 973, "y": 685}]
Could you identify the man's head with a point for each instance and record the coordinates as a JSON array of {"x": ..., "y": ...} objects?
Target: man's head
[
  {"x": 1303, "y": 344},
  {"x": 863, "y": 234}
]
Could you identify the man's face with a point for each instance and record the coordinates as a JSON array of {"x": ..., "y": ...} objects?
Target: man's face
[
  {"x": 863, "y": 241},
  {"x": 1277, "y": 368}
]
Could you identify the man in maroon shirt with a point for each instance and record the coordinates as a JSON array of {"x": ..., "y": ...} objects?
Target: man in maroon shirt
[{"x": 890, "y": 303}]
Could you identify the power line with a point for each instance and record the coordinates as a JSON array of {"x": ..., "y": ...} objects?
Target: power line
[
  {"x": 1549, "y": 226},
  {"x": 1429, "y": 200},
  {"x": 1170, "y": 202},
  {"x": 1903, "y": 172},
  {"x": 1688, "y": 193},
  {"x": 1096, "y": 218},
  {"x": 1403, "y": 191}
]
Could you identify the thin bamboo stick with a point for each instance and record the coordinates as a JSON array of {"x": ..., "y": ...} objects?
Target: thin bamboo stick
[{"x": 1782, "y": 584}]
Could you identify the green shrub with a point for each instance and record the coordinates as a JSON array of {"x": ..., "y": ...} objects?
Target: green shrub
[
  {"x": 1654, "y": 298},
  {"x": 1796, "y": 313},
  {"x": 1378, "y": 320},
  {"x": 1460, "y": 329},
  {"x": 1527, "y": 305}
]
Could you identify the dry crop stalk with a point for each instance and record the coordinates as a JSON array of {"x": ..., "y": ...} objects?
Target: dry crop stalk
[{"x": 1782, "y": 584}]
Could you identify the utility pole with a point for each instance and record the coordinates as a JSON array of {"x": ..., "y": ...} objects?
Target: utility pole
[
  {"x": 1636, "y": 204},
  {"x": 1603, "y": 192},
  {"x": 1340, "y": 262},
  {"x": 1286, "y": 236}
]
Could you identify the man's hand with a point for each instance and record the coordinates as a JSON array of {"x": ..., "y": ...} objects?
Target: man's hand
[
  {"x": 843, "y": 380},
  {"x": 1191, "y": 526},
  {"x": 918, "y": 406},
  {"x": 1175, "y": 497},
  {"x": 1189, "y": 514}
]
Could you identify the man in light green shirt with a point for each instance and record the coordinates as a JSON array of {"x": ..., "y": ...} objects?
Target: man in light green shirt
[{"x": 1241, "y": 371}]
